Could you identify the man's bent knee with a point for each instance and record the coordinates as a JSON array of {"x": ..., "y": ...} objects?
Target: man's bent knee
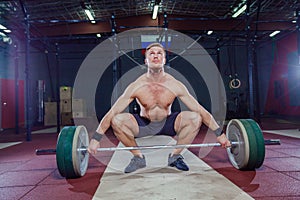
[
  {"x": 124, "y": 121},
  {"x": 190, "y": 119},
  {"x": 195, "y": 119},
  {"x": 118, "y": 120}
]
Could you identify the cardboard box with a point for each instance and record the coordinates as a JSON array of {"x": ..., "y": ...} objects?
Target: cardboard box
[
  {"x": 79, "y": 114},
  {"x": 50, "y": 108},
  {"x": 65, "y": 92},
  {"x": 78, "y": 105},
  {"x": 65, "y": 105},
  {"x": 50, "y": 117},
  {"x": 66, "y": 119},
  {"x": 50, "y": 120}
]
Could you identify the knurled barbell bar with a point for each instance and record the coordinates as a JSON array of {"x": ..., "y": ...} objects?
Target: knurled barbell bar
[
  {"x": 246, "y": 153},
  {"x": 177, "y": 146}
]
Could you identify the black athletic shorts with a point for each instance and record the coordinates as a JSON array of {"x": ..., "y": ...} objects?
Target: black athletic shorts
[{"x": 165, "y": 127}]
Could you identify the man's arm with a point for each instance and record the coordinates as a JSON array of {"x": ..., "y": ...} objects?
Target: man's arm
[
  {"x": 119, "y": 106},
  {"x": 207, "y": 118},
  {"x": 193, "y": 105}
]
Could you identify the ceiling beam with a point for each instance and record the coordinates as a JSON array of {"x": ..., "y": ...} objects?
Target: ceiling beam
[{"x": 178, "y": 23}]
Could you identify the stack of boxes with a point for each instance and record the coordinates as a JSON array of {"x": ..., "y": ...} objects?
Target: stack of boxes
[
  {"x": 65, "y": 94},
  {"x": 68, "y": 109}
]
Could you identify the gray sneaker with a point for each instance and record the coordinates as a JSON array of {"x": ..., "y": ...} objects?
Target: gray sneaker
[
  {"x": 135, "y": 163},
  {"x": 177, "y": 161}
]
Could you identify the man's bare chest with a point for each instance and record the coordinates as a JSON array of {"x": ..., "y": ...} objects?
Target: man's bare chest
[{"x": 155, "y": 94}]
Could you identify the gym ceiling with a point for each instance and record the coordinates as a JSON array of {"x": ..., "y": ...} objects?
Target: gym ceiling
[{"x": 49, "y": 19}]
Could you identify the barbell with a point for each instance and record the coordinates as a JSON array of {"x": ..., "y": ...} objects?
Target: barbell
[{"x": 247, "y": 151}]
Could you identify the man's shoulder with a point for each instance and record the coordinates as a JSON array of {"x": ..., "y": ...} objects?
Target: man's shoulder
[
  {"x": 141, "y": 78},
  {"x": 171, "y": 78},
  {"x": 139, "y": 81}
]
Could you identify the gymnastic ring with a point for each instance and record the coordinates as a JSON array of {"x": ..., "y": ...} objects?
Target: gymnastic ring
[{"x": 235, "y": 83}]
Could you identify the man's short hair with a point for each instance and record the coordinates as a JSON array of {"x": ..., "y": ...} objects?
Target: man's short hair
[{"x": 155, "y": 44}]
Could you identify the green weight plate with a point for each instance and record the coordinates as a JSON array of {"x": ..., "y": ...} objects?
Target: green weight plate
[
  {"x": 260, "y": 142},
  {"x": 238, "y": 154},
  {"x": 64, "y": 148},
  {"x": 252, "y": 145},
  {"x": 60, "y": 160},
  {"x": 80, "y": 158}
]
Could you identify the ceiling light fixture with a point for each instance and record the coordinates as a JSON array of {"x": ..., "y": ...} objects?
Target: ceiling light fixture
[
  {"x": 3, "y": 28},
  {"x": 240, "y": 11},
  {"x": 90, "y": 16},
  {"x": 209, "y": 32},
  {"x": 155, "y": 11},
  {"x": 274, "y": 33}
]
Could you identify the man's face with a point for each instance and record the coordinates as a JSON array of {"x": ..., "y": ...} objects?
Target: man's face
[{"x": 155, "y": 57}]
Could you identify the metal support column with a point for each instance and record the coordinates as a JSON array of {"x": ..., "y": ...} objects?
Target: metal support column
[
  {"x": 57, "y": 89},
  {"x": 165, "y": 25},
  {"x": 218, "y": 54},
  {"x": 115, "y": 62},
  {"x": 222, "y": 99},
  {"x": 249, "y": 49},
  {"x": 28, "y": 82},
  {"x": 257, "y": 112},
  {"x": 16, "y": 88},
  {"x": 255, "y": 83},
  {"x": 28, "y": 95},
  {"x": 298, "y": 33}
]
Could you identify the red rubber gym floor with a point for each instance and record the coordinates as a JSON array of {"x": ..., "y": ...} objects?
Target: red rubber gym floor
[{"x": 23, "y": 175}]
